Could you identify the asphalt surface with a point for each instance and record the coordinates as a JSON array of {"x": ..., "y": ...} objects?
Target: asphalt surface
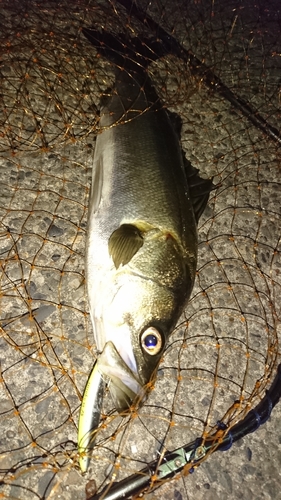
[{"x": 51, "y": 84}]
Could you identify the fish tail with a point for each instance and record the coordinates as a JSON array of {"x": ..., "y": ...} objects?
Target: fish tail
[{"x": 134, "y": 54}]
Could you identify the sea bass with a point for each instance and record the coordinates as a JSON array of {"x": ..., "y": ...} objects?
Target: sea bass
[{"x": 141, "y": 251}]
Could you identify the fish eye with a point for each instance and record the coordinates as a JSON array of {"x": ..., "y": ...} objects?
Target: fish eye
[{"x": 151, "y": 341}]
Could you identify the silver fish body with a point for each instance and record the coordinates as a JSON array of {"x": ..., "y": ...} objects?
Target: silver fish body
[{"x": 142, "y": 242}]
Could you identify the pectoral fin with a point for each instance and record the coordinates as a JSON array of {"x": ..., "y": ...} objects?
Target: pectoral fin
[{"x": 124, "y": 243}]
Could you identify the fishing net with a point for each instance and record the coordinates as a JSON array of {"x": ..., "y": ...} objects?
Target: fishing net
[{"x": 223, "y": 355}]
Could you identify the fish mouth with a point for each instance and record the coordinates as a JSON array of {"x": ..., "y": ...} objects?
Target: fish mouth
[{"x": 125, "y": 387}]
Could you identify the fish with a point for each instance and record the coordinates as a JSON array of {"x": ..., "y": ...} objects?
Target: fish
[{"x": 142, "y": 243}]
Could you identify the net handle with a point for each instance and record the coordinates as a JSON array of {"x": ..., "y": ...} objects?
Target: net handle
[{"x": 193, "y": 453}]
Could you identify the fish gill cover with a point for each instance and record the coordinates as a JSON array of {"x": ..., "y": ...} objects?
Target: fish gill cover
[{"x": 223, "y": 355}]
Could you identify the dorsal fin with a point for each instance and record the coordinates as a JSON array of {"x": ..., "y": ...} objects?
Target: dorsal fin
[
  {"x": 199, "y": 189},
  {"x": 124, "y": 243},
  {"x": 176, "y": 122}
]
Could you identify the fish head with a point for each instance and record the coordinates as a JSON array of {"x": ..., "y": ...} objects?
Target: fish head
[
  {"x": 146, "y": 299},
  {"x": 137, "y": 330}
]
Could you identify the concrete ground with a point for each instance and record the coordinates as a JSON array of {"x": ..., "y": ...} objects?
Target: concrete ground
[{"x": 225, "y": 348}]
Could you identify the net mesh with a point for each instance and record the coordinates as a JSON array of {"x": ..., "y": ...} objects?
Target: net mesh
[{"x": 224, "y": 352}]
